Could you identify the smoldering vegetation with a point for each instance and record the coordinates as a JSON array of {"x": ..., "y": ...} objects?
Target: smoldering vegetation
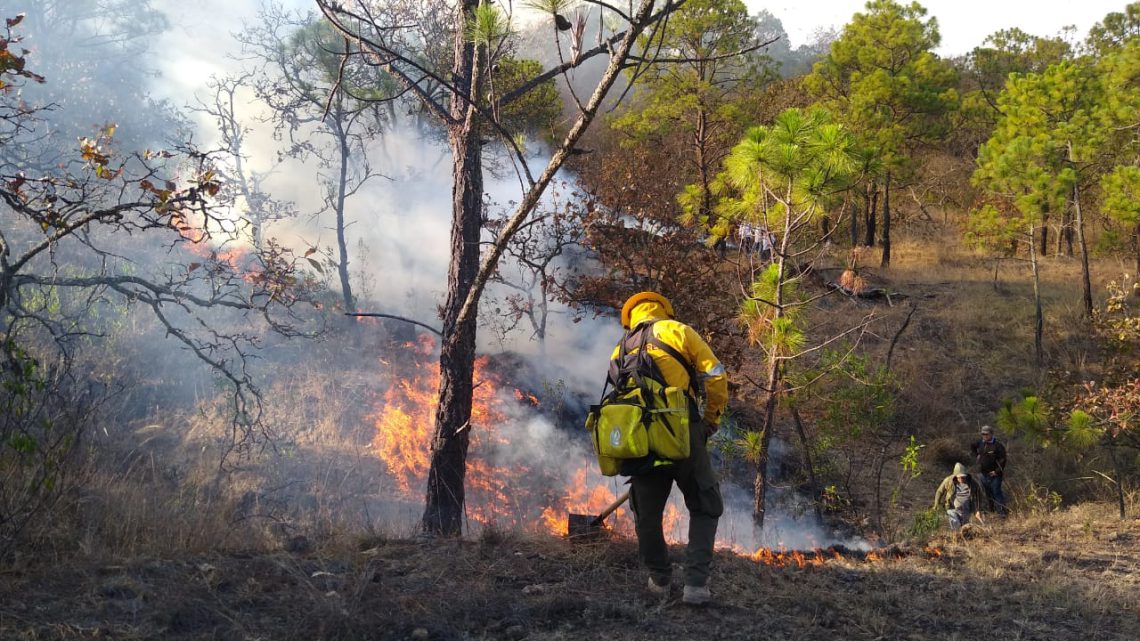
[{"x": 246, "y": 422}]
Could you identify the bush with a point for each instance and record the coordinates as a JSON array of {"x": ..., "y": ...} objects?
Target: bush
[{"x": 925, "y": 523}]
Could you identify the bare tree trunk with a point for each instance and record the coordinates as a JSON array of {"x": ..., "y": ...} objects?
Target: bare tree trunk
[
  {"x": 880, "y": 462},
  {"x": 1060, "y": 250},
  {"x": 1067, "y": 235},
  {"x": 1039, "y": 319},
  {"x": 773, "y": 387},
  {"x": 760, "y": 483},
  {"x": 701, "y": 141},
  {"x": 1086, "y": 284},
  {"x": 444, "y": 505},
  {"x": 855, "y": 228},
  {"x": 1044, "y": 251},
  {"x": 341, "y": 243},
  {"x": 872, "y": 207},
  {"x": 805, "y": 452},
  {"x": 886, "y": 259},
  {"x": 1116, "y": 469},
  {"x": 1136, "y": 247},
  {"x": 445, "y": 492}
]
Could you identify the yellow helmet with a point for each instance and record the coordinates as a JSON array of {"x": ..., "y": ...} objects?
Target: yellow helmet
[{"x": 642, "y": 297}]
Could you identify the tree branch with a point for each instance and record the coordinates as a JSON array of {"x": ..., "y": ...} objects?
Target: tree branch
[{"x": 394, "y": 317}]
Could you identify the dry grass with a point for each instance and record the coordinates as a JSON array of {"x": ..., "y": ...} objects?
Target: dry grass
[
  {"x": 159, "y": 487},
  {"x": 1064, "y": 576},
  {"x": 966, "y": 348},
  {"x": 154, "y": 540}
]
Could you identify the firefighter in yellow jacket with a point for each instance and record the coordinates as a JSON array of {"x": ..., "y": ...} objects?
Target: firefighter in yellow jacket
[{"x": 695, "y": 477}]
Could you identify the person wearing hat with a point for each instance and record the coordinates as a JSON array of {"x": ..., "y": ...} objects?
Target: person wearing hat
[
  {"x": 959, "y": 495},
  {"x": 990, "y": 454},
  {"x": 695, "y": 477}
]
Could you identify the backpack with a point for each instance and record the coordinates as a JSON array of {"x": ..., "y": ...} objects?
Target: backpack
[{"x": 642, "y": 421}]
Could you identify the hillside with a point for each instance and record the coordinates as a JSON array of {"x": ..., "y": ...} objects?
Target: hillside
[
  {"x": 299, "y": 333},
  {"x": 1072, "y": 575}
]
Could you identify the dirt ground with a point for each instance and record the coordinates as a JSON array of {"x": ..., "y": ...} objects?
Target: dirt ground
[{"x": 1070, "y": 576}]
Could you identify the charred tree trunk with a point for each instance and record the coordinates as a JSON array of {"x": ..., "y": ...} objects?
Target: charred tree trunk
[
  {"x": 886, "y": 259},
  {"x": 444, "y": 505},
  {"x": 872, "y": 209},
  {"x": 443, "y": 510},
  {"x": 1086, "y": 284},
  {"x": 1044, "y": 250}
]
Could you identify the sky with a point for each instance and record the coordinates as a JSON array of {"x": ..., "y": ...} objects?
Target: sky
[
  {"x": 201, "y": 33},
  {"x": 964, "y": 24}
]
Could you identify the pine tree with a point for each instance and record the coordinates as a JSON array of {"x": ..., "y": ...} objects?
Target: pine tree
[{"x": 884, "y": 83}]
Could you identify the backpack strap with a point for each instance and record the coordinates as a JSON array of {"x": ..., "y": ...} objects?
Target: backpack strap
[
  {"x": 640, "y": 337},
  {"x": 624, "y": 363},
  {"x": 680, "y": 358}
]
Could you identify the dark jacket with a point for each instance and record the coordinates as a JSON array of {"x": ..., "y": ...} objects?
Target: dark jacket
[{"x": 991, "y": 456}]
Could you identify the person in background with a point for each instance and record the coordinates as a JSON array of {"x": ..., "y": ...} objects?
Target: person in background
[
  {"x": 763, "y": 242},
  {"x": 990, "y": 454},
  {"x": 744, "y": 237},
  {"x": 960, "y": 495}
]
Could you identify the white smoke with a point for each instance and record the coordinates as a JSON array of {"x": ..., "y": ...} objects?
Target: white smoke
[{"x": 399, "y": 229}]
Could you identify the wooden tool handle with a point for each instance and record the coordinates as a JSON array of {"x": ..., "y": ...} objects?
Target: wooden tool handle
[{"x": 610, "y": 510}]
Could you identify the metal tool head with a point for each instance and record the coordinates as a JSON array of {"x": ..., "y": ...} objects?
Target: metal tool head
[{"x": 582, "y": 526}]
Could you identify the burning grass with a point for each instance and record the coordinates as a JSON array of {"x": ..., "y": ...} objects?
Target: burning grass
[{"x": 521, "y": 474}]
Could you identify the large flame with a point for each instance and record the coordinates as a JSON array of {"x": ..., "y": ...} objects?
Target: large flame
[
  {"x": 509, "y": 494},
  {"x": 518, "y": 494}
]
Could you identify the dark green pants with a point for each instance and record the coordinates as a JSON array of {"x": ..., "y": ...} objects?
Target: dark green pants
[{"x": 698, "y": 483}]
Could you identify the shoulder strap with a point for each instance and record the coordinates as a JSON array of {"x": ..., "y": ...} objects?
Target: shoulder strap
[
  {"x": 680, "y": 358},
  {"x": 636, "y": 365},
  {"x": 625, "y": 363}
]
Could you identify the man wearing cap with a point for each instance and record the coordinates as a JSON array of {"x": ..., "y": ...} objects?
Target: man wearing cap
[
  {"x": 991, "y": 463},
  {"x": 695, "y": 477},
  {"x": 959, "y": 494}
]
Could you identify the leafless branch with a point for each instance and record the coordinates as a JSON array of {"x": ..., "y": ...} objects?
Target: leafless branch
[{"x": 394, "y": 317}]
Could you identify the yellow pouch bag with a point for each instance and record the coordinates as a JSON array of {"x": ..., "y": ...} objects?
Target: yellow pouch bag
[
  {"x": 609, "y": 466},
  {"x": 621, "y": 427},
  {"x": 669, "y": 425}
]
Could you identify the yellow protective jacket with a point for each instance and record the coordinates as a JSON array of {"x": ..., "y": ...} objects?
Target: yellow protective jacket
[{"x": 687, "y": 341}]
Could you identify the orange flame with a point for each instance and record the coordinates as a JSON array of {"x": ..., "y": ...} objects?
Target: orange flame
[
  {"x": 518, "y": 494},
  {"x": 795, "y": 558},
  {"x": 529, "y": 398},
  {"x": 580, "y": 498},
  {"x": 505, "y": 494}
]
